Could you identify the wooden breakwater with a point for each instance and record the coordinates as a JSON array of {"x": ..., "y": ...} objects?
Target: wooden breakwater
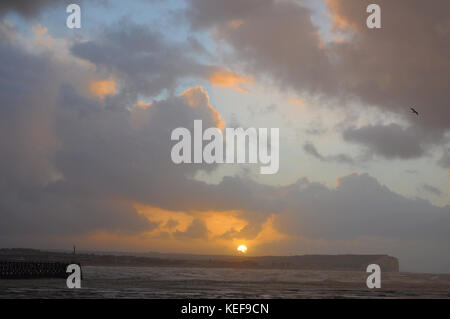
[{"x": 32, "y": 270}]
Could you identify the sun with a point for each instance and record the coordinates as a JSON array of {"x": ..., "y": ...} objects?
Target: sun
[{"x": 242, "y": 249}]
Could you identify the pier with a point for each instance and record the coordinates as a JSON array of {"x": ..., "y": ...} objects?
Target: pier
[{"x": 32, "y": 270}]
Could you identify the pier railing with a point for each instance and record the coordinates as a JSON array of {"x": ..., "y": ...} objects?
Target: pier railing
[{"x": 32, "y": 270}]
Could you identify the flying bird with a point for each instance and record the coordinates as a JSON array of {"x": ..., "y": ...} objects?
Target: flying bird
[{"x": 414, "y": 111}]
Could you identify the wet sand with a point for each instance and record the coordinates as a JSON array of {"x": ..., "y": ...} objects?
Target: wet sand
[{"x": 166, "y": 282}]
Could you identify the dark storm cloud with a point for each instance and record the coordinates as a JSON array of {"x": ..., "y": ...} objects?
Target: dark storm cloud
[
  {"x": 404, "y": 64},
  {"x": 72, "y": 165},
  {"x": 31, "y": 8},
  {"x": 391, "y": 141},
  {"x": 360, "y": 206},
  {"x": 275, "y": 38},
  {"x": 34, "y": 200},
  {"x": 338, "y": 158},
  {"x": 25, "y": 7}
]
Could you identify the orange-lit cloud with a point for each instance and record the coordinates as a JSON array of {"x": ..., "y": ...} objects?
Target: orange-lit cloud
[
  {"x": 139, "y": 116},
  {"x": 241, "y": 90},
  {"x": 338, "y": 39},
  {"x": 268, "y": 234},
  {"x": 234, "y": 24},
  {"x": 103, "y": 88},
  {"x": 225, "y": 78},
  {"x": 163, "y": 216},
  {"x": 298, "y": 102},
  {"x": 39, "y": 29},
  {"x": 143, "y": 105},
  {"x": 198, "y": 97},
  {"x": 339, "y": 21},
  {"x": 218, "y": 224},
  {"x": 221, "y": 223}
]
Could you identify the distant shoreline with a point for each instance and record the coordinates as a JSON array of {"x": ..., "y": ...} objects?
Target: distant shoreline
[{"x": 306, "y": 262}]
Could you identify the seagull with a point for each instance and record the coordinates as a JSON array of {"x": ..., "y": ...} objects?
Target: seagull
[{"x": 414, "y": 111}]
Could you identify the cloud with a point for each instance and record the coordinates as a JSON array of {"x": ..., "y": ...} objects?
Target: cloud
[
  {"x": 339, "y": 158},
  {"x": 143, "y": 105},
  {"x": 360, "y": 206},
  {"x": 204, "y": 14},
  {"x": 444, "y": 161},
  {"x": 275, "y": 38},
  {"x": 39, "y": 29},
  {"x": 391, "y": 141},
  {"x": 30, "y": 142},
  {"x": 143, "y": 60},
  {"x": 196, "y": 230},
  {"x": 171, "y": 223},
  {"x": 386, "y": 68},
  {"x": 430, "y": 189},
  {"x": 25, "y": 7},
  {"x": 316, "y": 131},
  {"x": 225, "y": 78},
  {"x": 103, "y": 88},
  {"x": 298, "y": 102},
  {"x": 82, "y": 165},
  {"x": 196, "y": 97}
]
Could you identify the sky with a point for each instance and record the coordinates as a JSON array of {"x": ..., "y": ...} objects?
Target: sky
[{"x": 86, "y": 116}]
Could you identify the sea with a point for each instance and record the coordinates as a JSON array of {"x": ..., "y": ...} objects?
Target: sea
[{"x": 191, "y": 283}]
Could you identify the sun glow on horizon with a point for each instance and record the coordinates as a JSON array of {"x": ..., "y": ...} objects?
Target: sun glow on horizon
[{"x": 242, "y": 249}]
